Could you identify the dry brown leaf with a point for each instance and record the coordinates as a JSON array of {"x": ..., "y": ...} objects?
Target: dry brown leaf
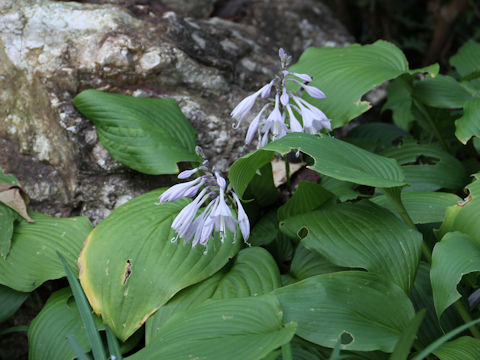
[{"x": 15, "y": 198}]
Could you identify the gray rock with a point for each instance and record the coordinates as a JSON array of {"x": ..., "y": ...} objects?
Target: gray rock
[{"x": 52, "y": 50}]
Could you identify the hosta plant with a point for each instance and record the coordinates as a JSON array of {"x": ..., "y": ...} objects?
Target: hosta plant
[{"x": 376, "y": 256}]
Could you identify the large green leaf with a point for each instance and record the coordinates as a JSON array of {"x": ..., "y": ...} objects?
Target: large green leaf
[
  {"x": 469, "y": 124},
  {"x": 32, "y": 259},
  {"x": 463, "y": 348},
  {"x": 244, "y": 329},
  {"x": 254, "y": 272},
  {"x": 11, "y": 300},
  {"x": 346, "y": 74},
  {"x": 427, "y": 167},
  {"x": 465, "y": 215},
  {"x": 361, "y": 235},
  {"x": 456, "y": 255},
  {"x": 146, "y": 134},
  {"x": 47, "y": 334},
  {"x": 373, "y": 312},
  {"x": 466, "y": 62},
  {"x": 307, "y": 197},
  {"x": 129, "y": 266},
  {"x": 423, "y": 207},
  {"x": 442, "y": 92},
  {"x": 333, "y": 157}
]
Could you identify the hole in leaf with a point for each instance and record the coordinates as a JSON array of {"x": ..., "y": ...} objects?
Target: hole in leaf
[
  {"x": 302, "y": 233},
  {"x": 346, "y": 338},
  {"x": 128, "y": 272}
]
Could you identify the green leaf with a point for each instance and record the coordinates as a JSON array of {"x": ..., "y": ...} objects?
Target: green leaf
[
  {"x": 332, "y": 157},
  {"x": 468, "y": 124},
  {"x": 466, "y": 61},
  {"x": 253, "y": 272},
  {"x": 11, "y": 301},
  {"x": 306, "y": 263},
  {"x": 344, "y": 190},
  {"x": 463, "y": 348},
  {"x": 404, "y": 344},
  {"x": 422, "y": 298},
  {"x": 129, "y": 266},
  {"x": 375, "y": 136},
  {"x": 307, "y": 197},
  {"x": 464, "y": 216},
  {"x": 423, "y": 207},
  {"x": 456, "y": 255},
  {"x": 435, "y": 345},
  {"x": 8, "y": 178},
  {"x": 441, "y": 92},
  {"x": 373, "y": 312},
  {"x": 113, "y": 345},
  {"x": 7, "y": 220},
  {"x": 85, "y": 312},
  {"x": 346, "y": 74},
  {"x": 361, "y": 235},
  {"x": 146, "y": 134},
  {"x": 427, "y": 167},
  {"x": 262, "y": 188},
  {"x": 32, "y": 259},
  {"x": 399, "y": 101},
  {"x": 47, "y": 334},
  {"x": 77, "y": 349},
  {"x": 244, "y": 328},
  {"x": 265, "y": 230}
]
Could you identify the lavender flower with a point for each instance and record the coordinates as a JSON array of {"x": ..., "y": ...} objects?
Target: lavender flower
[
  {"x": 282, "y": 119},
  {"x": 196, "y": 222}
]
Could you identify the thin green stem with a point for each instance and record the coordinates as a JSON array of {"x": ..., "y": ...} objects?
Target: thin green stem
[
  {"x": 286, "y": 352},
  {"x": 467, "y": 318}
]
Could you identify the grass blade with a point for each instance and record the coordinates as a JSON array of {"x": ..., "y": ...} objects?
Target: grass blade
[{"x": 85, "y": 312}]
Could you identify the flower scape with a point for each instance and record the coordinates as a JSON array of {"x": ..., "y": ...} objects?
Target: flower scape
[{"x": 282, "y": 119}]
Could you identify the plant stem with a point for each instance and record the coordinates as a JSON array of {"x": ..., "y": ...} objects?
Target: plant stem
[
  {"x": 286, "y": 352},
  {"x": 467, "y": 318}
]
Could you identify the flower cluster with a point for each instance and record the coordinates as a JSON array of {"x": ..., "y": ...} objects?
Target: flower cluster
[
  {"x": 210, "y": 190},
  {"x": 285, "y": 104}
]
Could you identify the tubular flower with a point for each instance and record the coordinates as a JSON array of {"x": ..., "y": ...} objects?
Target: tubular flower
[
  {"x": 210, "y": 211},
  {"x": 282, "y": 119}
]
